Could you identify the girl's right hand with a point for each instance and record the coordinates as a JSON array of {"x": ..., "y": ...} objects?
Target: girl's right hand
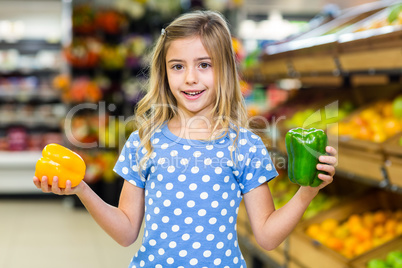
[{"x": 54, "y": 188}]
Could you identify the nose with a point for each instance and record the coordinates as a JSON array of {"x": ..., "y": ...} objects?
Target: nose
[{"x": 191, "y": 76}]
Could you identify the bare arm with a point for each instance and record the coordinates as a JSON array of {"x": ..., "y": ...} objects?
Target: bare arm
[
  {"x": 270, "y": 226},
  {"x": 122, "y": 223}
]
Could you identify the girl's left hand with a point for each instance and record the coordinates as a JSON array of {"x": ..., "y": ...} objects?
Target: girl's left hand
[{"x": 327, "y": 165}]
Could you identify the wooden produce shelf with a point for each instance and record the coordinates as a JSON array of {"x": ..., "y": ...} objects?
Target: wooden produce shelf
[
  {"x": 311, "y": 253},
  {"x": 393, "y": 154}
]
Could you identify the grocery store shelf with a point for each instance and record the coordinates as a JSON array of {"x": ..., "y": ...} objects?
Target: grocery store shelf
[{"x": 16, "y": 172}]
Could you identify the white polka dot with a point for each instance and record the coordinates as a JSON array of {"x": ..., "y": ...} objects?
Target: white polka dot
[
  {"x": 269, "y": 167},
  {"x": 209, "y": 147},
  {"x": 232, "y": 203},
  {"x": 212, "y": 220},
  {"x": 142, "y": 263},
  {"x": 195, "y": 170},
  {"x": 169, "y": 186},
  {"x": 155, "y": 141},
  {"x": 240, "y": 157},
  {"x": 218, "y": 170},
  {"x": 121, "y": 158},
  {"x": 202, "y": 212},
  {"x": 154, "y": 226},
  {"x": 165, "y": 146},
  {"x": 172, "y": 244},
  {"x": 224, "y": 212},
  {"x": 136, "y": 143},
  {"x": 249, "y": 176},
  {"x": 217, "y": 261},
  {"x": 235, "y": 260},
  {"x": 160, "y": 177},
  {"x": 152, "y": 185},
  {"x": 262, "y": 179},
  {"x": 193, "y": 187},
  {"x": 174, "y": 153},
  {"x": 229, "y": 163},
  {"x": 233, "y": 186},
  {"x": 161, "y": 251},
  {"x": 177, "y": 211},
  {"x": 225, "y": 195},
  {"x": 184, "y": 161},
  {"x": 142, "y": 248},
  {"x": 135, "y": 168},
  {"x": 196, "y": 245},
  {"x": 230, "y": 236},
  {"x": 132, "y": 182},
  {"x": 215, "y": 204},
  {"x": 220, "y": 154},
  {"x": 190, "y": 203},
  {"x": 183, "y": 253},
  {"x": 158, "y": 194},
  {"x": 182, "y": 178},
  {"x": 179, "y": 195},
  {"x": 186, "y": 147},
  {"x": 208, "y": 161},
  {"x": 228, "y": 252},
  {"x": 248, "y": 161},
  {"x": 156, "y": 210},
  {"x": 197, "y": 154},
  {"x": 171, "y": 169},
  {"x": 188, "y": 220},
  {"x": 124, "y": 170},
  {"x": 164, "y": 235},
  {"x": 231, "y": 219},
  {"x": 170, "y": 260},
  {"x": 231, "y": 148},
  {"x": 148, "y": 217},
  {"x": 236, "y": 173},
  {"x": 161, "y": 161},
  {"x": 204, "y": 195},
  {"x": 219, "y": 245},
  {"x": 210, "y": 237},
  {"x": 175, "y": 228},
  {"x": 258, "y": 164},
  {"x": 222, "y": 228},
  {"x": 205, "y": 178},
  {"x": 151, "y": 257},
  {"x": 185, "y": 237},
  {"x": 199, "y": 229},
  {"x": 216, "y": 187},
  {"x": 243, "y": 142},
  {"x": 253, "y": 149},
  {"x": 152, "y": 242},
  {"x": 193, "y": 261},
  {"x": 207, "y": 253},
  {"x": 153, "y": 155},
  {"x": 165, "y": 219},
  {"x": 166, "y": 203}
]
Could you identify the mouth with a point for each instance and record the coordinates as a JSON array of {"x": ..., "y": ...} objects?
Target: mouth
[{"x": 194, "y": 93}]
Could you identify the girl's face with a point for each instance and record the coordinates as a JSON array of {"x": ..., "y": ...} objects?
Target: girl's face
[{"x": 190, "y": 76}]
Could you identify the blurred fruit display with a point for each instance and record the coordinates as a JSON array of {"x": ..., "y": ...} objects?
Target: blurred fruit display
[
  {"x": 359, "y": 233},
  {"x": 392, "y": 260},
  {"x": 83, "y": 52},
  {"x": 376, "y": 122},
  {"x": 389, "y": 17}
]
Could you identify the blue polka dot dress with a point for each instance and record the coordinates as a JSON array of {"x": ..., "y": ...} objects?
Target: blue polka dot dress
[{"x": 193, "y": 189}]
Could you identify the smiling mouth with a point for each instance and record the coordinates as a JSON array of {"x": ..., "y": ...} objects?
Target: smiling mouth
[{"x": 193, "y": 93}]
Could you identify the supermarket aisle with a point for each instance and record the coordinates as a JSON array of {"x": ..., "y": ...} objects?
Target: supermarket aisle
[{"x": 48, "y": 233}]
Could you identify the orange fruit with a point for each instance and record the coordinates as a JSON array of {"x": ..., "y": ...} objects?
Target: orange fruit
[
  {"x": 379, "y": 217},
  {"x": 334, "y": 243},
  {"x": 313, "y": 230},
  {"x": 329, "y": 225}
]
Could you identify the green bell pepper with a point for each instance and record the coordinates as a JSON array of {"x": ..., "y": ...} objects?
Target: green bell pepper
[{"x": 304, "y": 146}]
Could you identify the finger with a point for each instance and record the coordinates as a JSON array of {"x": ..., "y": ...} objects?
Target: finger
[
  {"x": 36, "y": 181},
  {"x": 326, "y": 178},
  {"x": 55, "y": 185},
  {"x": 68, "y": 189},
  {"x": 327, "y": 168},
  {"x": 331, "y": 160},
  {"x": 331, "y": 150},
  {"x": 44, "y": 185}
]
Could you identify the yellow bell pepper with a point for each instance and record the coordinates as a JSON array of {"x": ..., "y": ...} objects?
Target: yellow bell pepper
[{"x": 59, "y": 161}]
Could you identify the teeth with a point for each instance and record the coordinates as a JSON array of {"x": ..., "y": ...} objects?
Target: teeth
[{"x": 193, "y": 93}]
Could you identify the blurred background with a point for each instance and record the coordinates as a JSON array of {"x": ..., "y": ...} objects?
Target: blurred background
[{"x": 71, "y": 72}]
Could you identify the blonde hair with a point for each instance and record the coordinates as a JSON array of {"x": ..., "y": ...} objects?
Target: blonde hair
[{"x": 159, "y": 104}]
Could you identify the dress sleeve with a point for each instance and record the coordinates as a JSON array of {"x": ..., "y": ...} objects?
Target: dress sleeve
[
  {"x": 127, "y": 165},
  {"x": 257, "y": 167}
]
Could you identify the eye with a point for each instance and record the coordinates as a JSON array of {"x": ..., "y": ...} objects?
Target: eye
[
  {"x": 204, "y": 65},
  {"x": 177, "y": 67}
]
